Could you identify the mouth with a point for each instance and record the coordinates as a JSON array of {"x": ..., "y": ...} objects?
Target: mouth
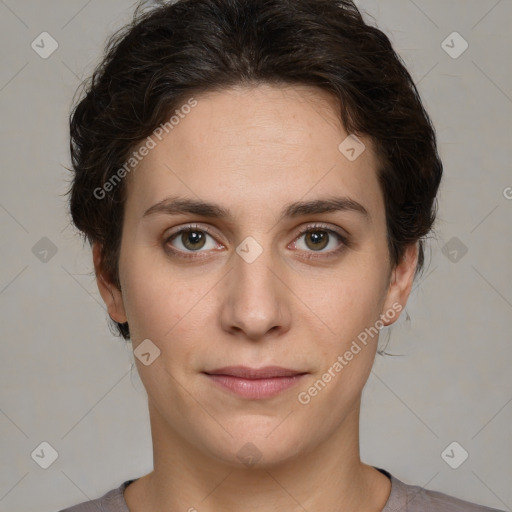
[{"x": 255, "y": 383}]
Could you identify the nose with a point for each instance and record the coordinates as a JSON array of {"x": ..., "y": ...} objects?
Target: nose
[{"x": 256, "y": 300}]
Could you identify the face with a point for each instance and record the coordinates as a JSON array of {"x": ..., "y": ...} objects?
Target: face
[{"x": 287, "y": 267}]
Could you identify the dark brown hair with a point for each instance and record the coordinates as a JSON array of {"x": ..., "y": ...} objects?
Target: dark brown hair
[{"x": 175, "y": 51}]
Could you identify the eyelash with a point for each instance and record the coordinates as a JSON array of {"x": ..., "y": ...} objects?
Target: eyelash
[{"x": 316, "y": 227}]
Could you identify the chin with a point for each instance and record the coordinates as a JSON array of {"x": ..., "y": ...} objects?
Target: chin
[{"x": 259, "y": 448}]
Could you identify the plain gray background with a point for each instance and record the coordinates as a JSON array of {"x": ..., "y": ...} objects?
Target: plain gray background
[{"x": 67, "y": 381}]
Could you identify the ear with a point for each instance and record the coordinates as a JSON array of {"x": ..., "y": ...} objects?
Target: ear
[
  {"x": 400, "y": 286},
  {"x": 111, "y": 295}
]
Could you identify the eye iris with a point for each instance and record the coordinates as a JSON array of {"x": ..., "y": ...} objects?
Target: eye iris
[
  {"x": 190, "y": 238},
  {"x": 319, "y": 238}
]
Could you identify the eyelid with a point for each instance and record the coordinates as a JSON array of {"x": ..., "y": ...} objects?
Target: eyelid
[
  {"x": 190, "y": 227},
  {"x": 322, "y": 227},
  {"x": 342, "y": 236}
]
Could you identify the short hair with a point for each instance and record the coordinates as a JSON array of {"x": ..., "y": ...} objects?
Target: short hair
[{"x": 186, "y": 47}]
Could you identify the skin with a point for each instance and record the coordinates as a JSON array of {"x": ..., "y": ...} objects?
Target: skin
[{"x": 254, "y": 150}]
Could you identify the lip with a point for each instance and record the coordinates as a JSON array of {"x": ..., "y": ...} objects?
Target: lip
[
  {"x": 245, "y": 372},
  {"x": 255, "y": 383}
]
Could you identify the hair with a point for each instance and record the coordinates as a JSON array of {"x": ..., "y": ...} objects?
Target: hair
[{"x": 182, "y": 48}]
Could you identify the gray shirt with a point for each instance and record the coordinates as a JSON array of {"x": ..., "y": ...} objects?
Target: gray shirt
[{"x": 403, "y": 498}]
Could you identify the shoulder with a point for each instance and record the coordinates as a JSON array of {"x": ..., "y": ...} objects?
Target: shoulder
[
  {"x": 111, "y": 501},
  {"x": 413, "y": 498}
]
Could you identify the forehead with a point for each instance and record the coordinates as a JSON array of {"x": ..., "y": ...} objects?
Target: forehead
[{"x": 253, "y": 146}]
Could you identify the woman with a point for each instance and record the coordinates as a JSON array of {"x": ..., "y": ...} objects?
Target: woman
[{"x": 256, "y": 179}]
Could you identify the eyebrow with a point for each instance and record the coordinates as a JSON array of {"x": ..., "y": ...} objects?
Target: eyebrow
[{"x": 179, "y": 205}]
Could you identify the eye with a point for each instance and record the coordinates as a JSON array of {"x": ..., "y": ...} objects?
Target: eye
[
  {"x": 319, "y": 237},
  {"x": 191, "y": 239},
  {"x": 195, "y": 239}
]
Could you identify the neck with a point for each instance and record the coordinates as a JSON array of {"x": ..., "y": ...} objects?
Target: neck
[{"x": 329, "y": 477}]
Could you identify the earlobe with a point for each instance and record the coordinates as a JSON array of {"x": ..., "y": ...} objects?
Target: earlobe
[
  {"x": 109, "y": 292},
  {"x": 400, "y": 286}
]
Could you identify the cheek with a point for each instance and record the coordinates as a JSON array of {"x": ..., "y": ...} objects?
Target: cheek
[
  {"x": 163, "y": 304},
  {"x": 347, "y": 350},
  {"x": 151, "y": 301},
  {"x": 351, "y": 301}
]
